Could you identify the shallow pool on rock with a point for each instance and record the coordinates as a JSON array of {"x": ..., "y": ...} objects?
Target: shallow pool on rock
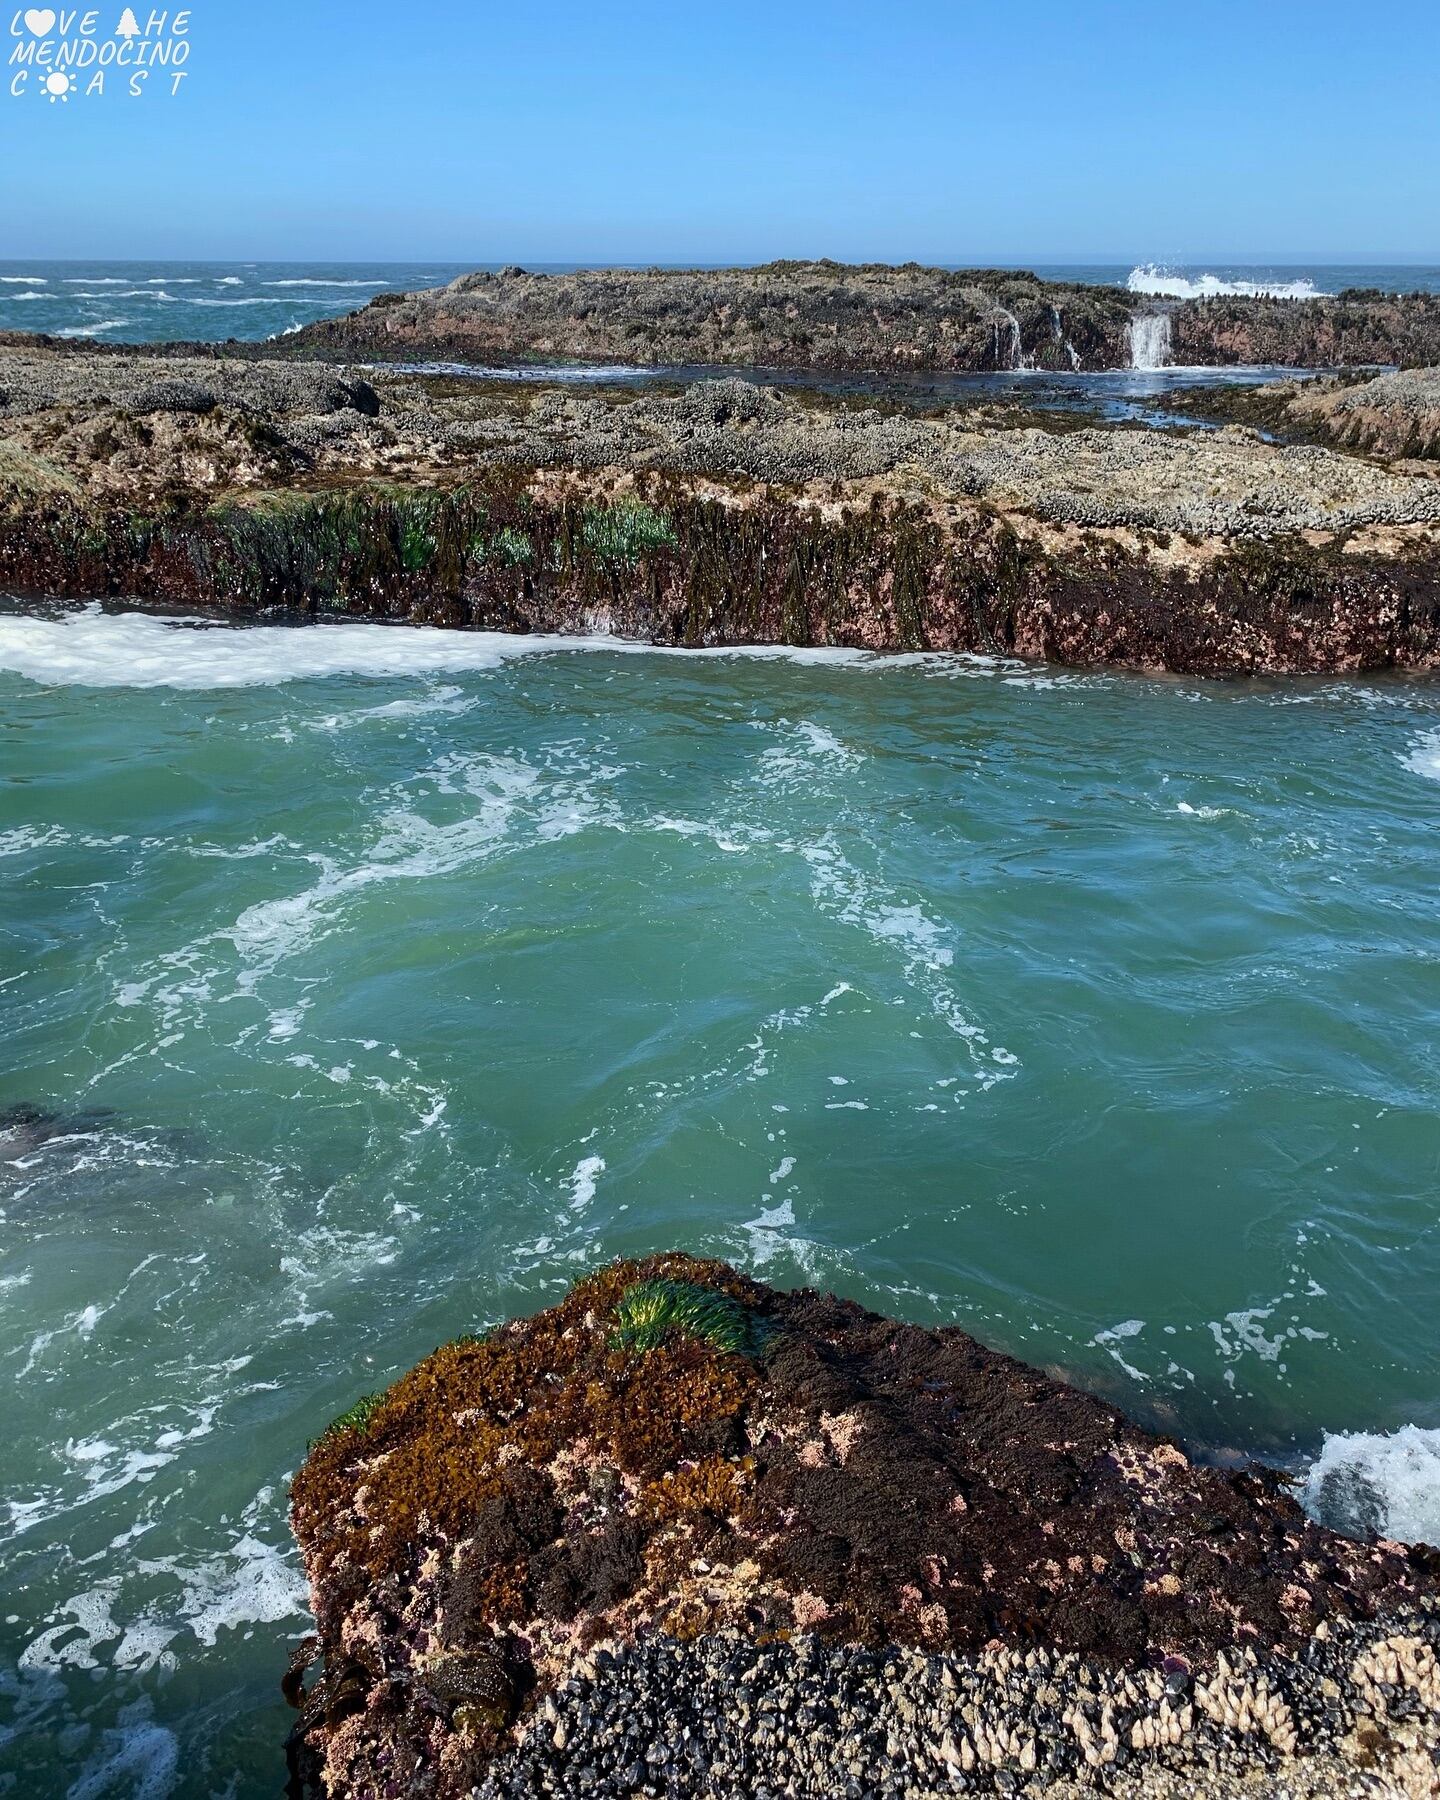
[{"x": 1092, "y": 1013}]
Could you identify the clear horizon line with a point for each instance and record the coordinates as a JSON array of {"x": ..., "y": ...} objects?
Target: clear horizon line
[{"x": 1281, "y": 260}]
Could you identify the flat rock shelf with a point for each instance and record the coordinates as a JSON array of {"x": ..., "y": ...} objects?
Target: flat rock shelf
[{"x": 684, "y": 1534}]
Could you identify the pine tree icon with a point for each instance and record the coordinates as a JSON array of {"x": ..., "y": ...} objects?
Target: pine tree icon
[{"x": 129, "y": 26}]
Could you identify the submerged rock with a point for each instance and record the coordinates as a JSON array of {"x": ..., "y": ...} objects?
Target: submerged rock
[
  {"x": 684, "y": 1534},
  {"x": 26, "y": 1129}
]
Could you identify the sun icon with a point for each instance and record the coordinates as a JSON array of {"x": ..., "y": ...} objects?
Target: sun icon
[{"x": 57, "y": 86}]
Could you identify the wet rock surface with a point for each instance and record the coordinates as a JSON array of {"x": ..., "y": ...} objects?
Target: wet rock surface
[
  {"x": 822, "y": 315},
  {"x": 1358, "y": 326},
  {"x": 811, "y": 1550}
]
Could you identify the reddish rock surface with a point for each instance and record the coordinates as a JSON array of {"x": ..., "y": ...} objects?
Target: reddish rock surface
[{"x": 517, "y": 1500}]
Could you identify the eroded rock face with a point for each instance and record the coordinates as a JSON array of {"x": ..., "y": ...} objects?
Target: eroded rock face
[
  {"x": 1394, "y": 416},
  {"x": 1359, "y": 326},
  {"x": 817, "y": 1474}
]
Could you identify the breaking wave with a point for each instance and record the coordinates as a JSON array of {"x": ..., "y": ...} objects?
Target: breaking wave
[
  {"x": 1173, "y": 284},
  {"x": 85, "y": 331},
  {"x": 1378, "y": 1484},
  {"x": 1423, "y": 757},
  {"x": 323, "y": 281}
]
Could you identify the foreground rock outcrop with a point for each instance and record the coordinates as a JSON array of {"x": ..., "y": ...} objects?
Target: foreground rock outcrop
[
  {"x": 716, "y": 513},
  {"x": 828, "y": 315},
  {"x": 685, "y": 1535}
]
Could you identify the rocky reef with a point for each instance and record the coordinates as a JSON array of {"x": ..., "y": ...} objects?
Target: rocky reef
[
  {"x": 716, "y": 513},
  {"x": 834, "y": 316},
  {"x": 683, "y": 1534},
  {"x": 1395, "y": 417},
  {"x": 820, "y": 315}
]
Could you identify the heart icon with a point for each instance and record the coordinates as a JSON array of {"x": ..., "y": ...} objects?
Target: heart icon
[{"x": 40, "y": 20}]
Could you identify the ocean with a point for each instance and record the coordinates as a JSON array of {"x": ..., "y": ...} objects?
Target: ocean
[
  {"x": 365, "y": 985},
  {"x": 208, "y": 302}
]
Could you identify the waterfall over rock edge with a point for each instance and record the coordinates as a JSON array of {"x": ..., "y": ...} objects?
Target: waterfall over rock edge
[{"x": 1149, "y": 336}]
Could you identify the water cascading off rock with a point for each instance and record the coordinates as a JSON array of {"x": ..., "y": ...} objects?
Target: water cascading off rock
[{"x": 1149, "y": 336}]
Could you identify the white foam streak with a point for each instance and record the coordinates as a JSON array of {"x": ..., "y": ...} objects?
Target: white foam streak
[
  {"x": 139, "y": 1759},
  {"x": 771, "y": 1236},
  {"x": 251, "y": 1583},
  {"x": 87, "y": 331},
  {"x": 323, "y": 281},
  {"x": 137, "y": 650},
  {"x": 1424, "y": 756},
  {"x": 584, "y": 1181}
]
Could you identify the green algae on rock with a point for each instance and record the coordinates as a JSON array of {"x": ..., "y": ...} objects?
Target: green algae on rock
[
  {"x": 649, "y": 1313},
  {"x": 515, "y": 1504}
]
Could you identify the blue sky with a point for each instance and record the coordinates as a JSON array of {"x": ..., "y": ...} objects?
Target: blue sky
[{"x": 950, "y": 132}]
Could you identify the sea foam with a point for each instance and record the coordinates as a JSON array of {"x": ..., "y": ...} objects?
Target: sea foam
[
  {"x": 91, "y": 648},
  {"x": 323, "y": 281},
  {"x": 1385, "y": 1484},
  {"x": 85, "y": 331},
  {"x": 1423, "y": 757}
]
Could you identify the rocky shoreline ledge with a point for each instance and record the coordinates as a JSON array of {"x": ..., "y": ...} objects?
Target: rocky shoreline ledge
[
  {"x": 1395, "y": 417},
  {"x": 716, "y": 513},
  {"x": 834, "y": 316},
  {"x": 683, "y": 1534}
]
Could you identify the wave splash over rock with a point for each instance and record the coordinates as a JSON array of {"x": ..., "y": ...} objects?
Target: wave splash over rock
[
  {"x": 1172, "y": 284},
  {"x": 1378, "y": 1484}
]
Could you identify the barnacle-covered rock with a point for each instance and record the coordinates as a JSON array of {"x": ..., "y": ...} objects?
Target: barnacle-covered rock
[{"x": 580, "y": 1516}]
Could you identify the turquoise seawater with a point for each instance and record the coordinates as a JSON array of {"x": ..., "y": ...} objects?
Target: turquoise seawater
[{"x": 1094, "y": 1013}]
